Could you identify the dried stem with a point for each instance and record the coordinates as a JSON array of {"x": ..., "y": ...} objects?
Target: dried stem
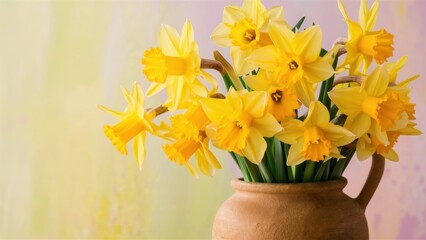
[
  {"x": 348, "y": 79},
  {"x": 212, "y": 64}
]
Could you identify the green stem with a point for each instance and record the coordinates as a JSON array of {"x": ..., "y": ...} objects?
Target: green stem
[
  {"x": 270, "y": 156},
  {"x": 279, "y": 158},
  {"x": 309, "y": 174},
  {"x": 228, "y": 82},
  {"x": 326, "y": 171},
  {"x": 342, "y": 163},
  {"x": 298, "y": 172},
  {"x": 290, "y": 175},
  {"x": 243, "y": 168},
  {"x": 320, "y": 172},
  {"x": 266, "y": 174},
  {"x": 252, "y": 169}
]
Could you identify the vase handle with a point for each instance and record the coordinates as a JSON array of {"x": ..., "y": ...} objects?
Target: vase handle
[{"x": 373, "y": 180}]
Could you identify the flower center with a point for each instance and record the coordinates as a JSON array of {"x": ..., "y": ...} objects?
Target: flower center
[
  {"x": 384, "y": 110},
  {"x": 232, "y": 134},
  {"x": 277, "y": 95},
  {"x": 377, "y": 44},
  {"x": 282, "y": 103},
  {"x": 158, "y": 66},
  {"x": 293, "y": 65},
  {"x": 292, "y": 70},
  {"x": 244, "y": 33},
  {"x": 121, "y": 133},
  {"x": 315, "y": 146}
]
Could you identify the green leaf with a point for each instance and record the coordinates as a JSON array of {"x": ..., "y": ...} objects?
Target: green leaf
[
  {"x": 279, "y": 160},
  {"x": 341, "y": 164},
  {"x": 243, "y": 168},
  {"x": 309, "y": 173},
  {"x": 228, "y": 82},
  {"x": 270, "y": 158},
  {"x": 298, "y": 172},
  {"x": 290, "y": 175},
  {"x": 298, "y": 24},
  {"x": 264, "y": 171},
  {"x": 320, "y": 172}
]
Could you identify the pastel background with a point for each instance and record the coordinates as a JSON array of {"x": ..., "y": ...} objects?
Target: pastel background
[{"x": 61, "y": 178}]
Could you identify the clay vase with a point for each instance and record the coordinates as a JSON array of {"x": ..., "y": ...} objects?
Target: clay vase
[{"x": 296, "y": 210}]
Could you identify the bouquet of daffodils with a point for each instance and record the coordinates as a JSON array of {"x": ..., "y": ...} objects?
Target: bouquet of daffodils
[{"x": 292, "y": 110}]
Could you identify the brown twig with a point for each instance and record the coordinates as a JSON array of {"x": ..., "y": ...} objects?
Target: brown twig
[
  {"x": 348, "y": 79},
  {"x": 212, "y": 64}
]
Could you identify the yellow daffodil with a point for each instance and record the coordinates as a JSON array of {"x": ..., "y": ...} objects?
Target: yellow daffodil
[
  {"x": 175, "y": 65},
  {"x": 188, "y": 131},
  {"x": 240, "y": 122},
  {"x": 368, "y": 144},
  {"x": 294, "y": 58},
  {"x": 315, "y": 138},
  {"x": 363, "y": 43},
  {"x": 372, "y": 107},
  {"x": 245, "y": 29},
  {"x": 282, "y": 101},
  {"x": 402, "y": 87},
  {"x": 134, "y": 122}
]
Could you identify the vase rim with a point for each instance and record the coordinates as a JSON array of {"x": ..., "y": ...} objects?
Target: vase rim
[{"x": 241, "y": 186}]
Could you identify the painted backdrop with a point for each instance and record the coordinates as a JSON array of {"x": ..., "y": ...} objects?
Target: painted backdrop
[{"x": 61, "y": 178}]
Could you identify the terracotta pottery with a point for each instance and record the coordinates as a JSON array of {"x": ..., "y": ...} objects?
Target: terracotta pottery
[{"x": 296, "y": 210}]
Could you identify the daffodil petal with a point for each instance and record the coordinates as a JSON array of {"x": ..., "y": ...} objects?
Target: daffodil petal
[
  {"x": 209, "y": 155},
  {"x": 358, "y": 124},
  {"x": 317, "y": 71},
  {"x": 343, "y": 10},
  {"x": 241, "y": 66},
  {"x": 154, "y": 88},
  {"x": 391, "y": 155},
  {"x": 370, "y": 21},
  {"x": 267, "y": 125},
  {"x": 254, "y": 103},
  {"x": 258, "y": 82},
  {"x": 215, "y": 109},
  {"x": 254, "y": 10},
  {"x": 318, "y": 114},
  {"x": 210, "y": 80},
  {"x": 378, "y": 133},
  {"x": 281, "y": 36},
  {"x": 255, "y": 148},
  {"x": 220, "y": 36},
  {"x": 266, "y": 57},
  {"x": 186, "y": 39},
  {"x": 139, "y": 149},
  {"x": 233, "y": 99},
  {"x": 191, "y": 169},
  {"x": 308, "y": 43},
  {"x": 292, "y": 132},
  {"x": 348, "y": 100},
  {"x": 137, "y": 93},
  {"x": 364, "y": 148},
  {"x": 203, "y": 164},
  {"x": 295, "y": 156},
  {"x": 305, "y": 92},
  {"x": 275, "y": 14},
  {"x": 338, "y": 135},
  {"x": 377, "y": 82},
  {"x": 117, "y": 114},
  {"x": 232, "y": 14},
  {"x": 169, "y": 40}
]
